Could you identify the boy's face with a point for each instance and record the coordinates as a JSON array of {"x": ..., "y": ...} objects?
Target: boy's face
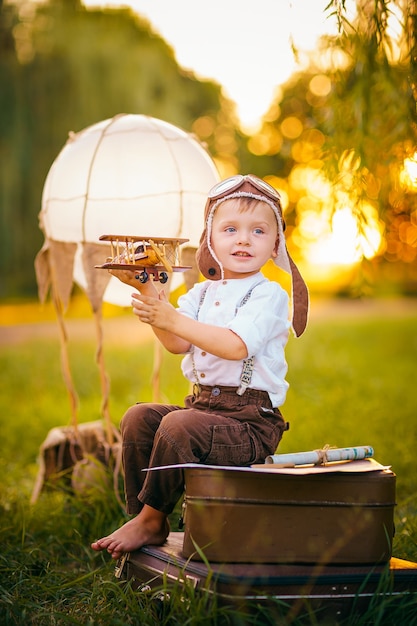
[{"x": 243, "y": 239}]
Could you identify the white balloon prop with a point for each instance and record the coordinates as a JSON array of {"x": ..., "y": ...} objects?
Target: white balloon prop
[{"x": 129, "y": 175}]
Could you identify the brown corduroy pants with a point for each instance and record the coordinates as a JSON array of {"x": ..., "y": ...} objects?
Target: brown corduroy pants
[{"x": 216, "y": 427}]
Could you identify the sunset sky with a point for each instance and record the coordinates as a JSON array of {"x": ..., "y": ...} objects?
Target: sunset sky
[{"x": 245, "y": 47}]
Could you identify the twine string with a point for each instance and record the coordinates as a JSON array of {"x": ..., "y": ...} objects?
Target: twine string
[{"x": 322, "y": 455}]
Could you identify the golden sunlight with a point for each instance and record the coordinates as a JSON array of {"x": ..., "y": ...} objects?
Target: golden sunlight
[
  {"x": 343, "y": 240},
  {"x": 333, "y": 233},
  {"x": 408, "y": 174}
]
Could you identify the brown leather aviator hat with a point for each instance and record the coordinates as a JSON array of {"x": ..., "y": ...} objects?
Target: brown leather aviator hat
[{"x": 251, "y": 186}]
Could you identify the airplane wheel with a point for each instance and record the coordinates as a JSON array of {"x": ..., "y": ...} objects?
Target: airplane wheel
[
  {"x": 143, "y": 277},
  {"x": 163, "y": 277}
]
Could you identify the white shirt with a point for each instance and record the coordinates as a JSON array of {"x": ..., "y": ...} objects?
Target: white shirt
[{"x": 261, "y": 322}]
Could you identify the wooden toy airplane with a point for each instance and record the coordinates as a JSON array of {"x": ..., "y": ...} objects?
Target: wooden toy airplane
[{"x": 146, "y": 255}]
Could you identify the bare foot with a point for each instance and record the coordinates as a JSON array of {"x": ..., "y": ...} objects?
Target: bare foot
[{"x": 150, "y": 527}]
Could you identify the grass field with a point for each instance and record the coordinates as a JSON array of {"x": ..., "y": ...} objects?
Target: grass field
[{"x": 352, "y": 380}]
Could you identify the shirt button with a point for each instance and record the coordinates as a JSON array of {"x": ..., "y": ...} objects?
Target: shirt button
[
  {"x": 202, "y": 375},
  {"x": 225, "y": 282},
  {"x": 203, "y": 353},
  {"x": 217, "y": 303}
]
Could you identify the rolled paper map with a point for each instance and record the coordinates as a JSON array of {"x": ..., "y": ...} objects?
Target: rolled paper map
[{"x": 319, "y": 457}]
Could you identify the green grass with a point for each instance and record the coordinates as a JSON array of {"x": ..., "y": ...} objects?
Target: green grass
[{"x": 352, "y": 383}]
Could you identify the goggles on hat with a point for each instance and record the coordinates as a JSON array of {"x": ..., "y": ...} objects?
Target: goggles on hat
[{"x": 234, "y": 182}]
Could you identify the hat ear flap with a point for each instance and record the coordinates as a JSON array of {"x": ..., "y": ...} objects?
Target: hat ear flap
[
  {"x": 207, "y": 265},
  {"x": 300, "y": 300}
]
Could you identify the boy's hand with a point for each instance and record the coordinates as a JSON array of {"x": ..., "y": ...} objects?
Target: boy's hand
[
  {"x": 129, "y": 278},
  {"x": 157, "y": 312},
  {"x": 125, "y": 276}
]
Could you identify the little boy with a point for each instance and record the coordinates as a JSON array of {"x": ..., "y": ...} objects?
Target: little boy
[{"x": 232, "y": 329}]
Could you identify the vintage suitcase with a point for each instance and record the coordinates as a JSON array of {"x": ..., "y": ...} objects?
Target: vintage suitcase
[
  {"x": 332, "y": 590},
  {"x": 240, "y": 516}
]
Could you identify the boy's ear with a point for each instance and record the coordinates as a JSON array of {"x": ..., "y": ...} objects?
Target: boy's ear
[{"x": 275, "y": 250}]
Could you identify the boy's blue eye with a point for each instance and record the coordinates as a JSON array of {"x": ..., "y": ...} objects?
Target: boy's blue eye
[
  {"x": 230, "y": 229},
  {"x": 259, "y": 231}
]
